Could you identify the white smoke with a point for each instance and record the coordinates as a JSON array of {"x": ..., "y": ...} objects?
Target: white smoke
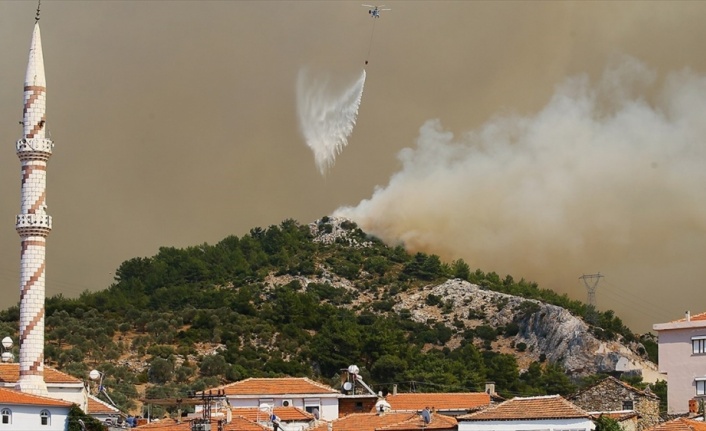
[
  {"x": 326, "y": 118},
  {"x": 599, "y": 179}
]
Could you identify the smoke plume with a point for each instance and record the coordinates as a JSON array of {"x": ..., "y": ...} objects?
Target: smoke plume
[
  {"x": 326, "y": 117},
  {"x": 607, "y": 176}
]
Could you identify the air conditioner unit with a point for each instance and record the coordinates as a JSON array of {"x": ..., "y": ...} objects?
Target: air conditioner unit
[{"x": 287, "y": 403}]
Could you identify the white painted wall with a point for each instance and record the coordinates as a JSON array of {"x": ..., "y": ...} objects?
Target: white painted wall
[{"x": 26, "y": 418}]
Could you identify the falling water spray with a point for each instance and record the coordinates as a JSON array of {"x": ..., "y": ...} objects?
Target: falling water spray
[{"x": 327, "y": 117}]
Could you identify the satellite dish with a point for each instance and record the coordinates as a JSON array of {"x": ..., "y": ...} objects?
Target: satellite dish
[
  {"x": 7, "y": 342},
  {"x": 347, "y": 386},
  {"x": 264, "y": 407},
  {"x": 6, "y": 356},
  {"x": 94, "y": 374},
  {"x": 353, "y": 369}
]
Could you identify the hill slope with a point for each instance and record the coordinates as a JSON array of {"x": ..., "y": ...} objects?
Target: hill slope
[{"x": 309, "y": 300}]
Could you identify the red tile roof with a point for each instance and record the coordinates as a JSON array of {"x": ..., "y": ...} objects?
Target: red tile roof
[
  {"x": 277, "y": 386},
  {"x": 443, "y": 401},
  {"x": 10, "y": 373},
  {"x": 531, "y": 408},
  {"x": 238, "y": 423},
  {"x": 693, "y": 317},
  {"x": 96, "y": 406},
  {"x": 285, "y": 413},
  {"x": 679, "y": 424},
  {"x": 392, "y": 421},
  {"x": 10, "y": 396}
]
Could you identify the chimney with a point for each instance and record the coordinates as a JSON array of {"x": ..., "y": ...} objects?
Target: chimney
[
  {"x": 688, "y": 316},
  {"x": 693, "y": 406},
  {"x": 490, "y": 388},
  {"x": 394, "y": 389}
]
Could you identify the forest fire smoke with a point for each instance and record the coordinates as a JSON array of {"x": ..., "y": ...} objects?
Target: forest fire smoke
[{"x": 579, "y": 186}]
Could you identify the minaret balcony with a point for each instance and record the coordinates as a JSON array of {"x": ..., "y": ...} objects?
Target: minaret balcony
[
  {"x": 34, "y": 148},
  {"x": 33, "y": 224}
]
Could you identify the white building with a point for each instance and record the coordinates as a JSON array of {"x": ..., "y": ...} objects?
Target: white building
[
  {"x": 545, "y": 413},
  {"x": 25, "y": 412},
  {"x": 59, "y": 385},
  {"x": 300, "y": 392}
]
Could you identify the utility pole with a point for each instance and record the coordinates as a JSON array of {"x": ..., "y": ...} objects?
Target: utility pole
[{"x": 591, "y": 283}]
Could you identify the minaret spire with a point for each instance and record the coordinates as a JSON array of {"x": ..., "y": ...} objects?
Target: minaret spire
[
  {"x": 33, "y": 224},
  {"x": 39, "y": 5}
]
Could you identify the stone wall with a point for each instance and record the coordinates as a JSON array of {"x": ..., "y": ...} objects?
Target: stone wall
[{"x": 611, "y": 394}]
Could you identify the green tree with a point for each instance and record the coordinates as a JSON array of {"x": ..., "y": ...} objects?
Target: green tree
[
  {"x": 77, "y": 417},
  {"x": 160, "y": 371},
  {"x": 604, "y": 423}
]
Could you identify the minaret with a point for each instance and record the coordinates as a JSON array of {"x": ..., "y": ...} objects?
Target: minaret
[{"x": 33, "y": 224}]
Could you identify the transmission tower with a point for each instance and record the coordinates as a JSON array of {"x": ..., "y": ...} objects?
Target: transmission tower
[{"x": 591, "y": 283}]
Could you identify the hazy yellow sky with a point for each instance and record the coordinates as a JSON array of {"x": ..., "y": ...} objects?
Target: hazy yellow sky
[{"x": 175, "y": 124}]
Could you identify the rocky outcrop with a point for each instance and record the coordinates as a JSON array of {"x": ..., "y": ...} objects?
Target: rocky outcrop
[{"x": 546, "y": 330}]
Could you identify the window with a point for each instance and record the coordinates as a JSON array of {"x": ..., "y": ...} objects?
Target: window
[
  {"x": 312, "y": 403},
  {"x": 698, "y": 345},
  {"x": 46, "y": 417},
  {"x": 628, "y": 405},
  {"x": 701, "y": 386},
  {"x": 6, "y": 416}
]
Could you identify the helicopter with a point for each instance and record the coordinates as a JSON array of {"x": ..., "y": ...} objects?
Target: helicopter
[{"x": 375, "y": 10}]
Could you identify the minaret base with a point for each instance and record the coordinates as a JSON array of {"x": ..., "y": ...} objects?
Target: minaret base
[{"x": 32, "y": 385}]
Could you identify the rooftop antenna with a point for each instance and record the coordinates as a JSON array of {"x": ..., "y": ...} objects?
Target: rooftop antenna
[
  {"x": 591, "y": 286},
  {"x": 39, "y": 5}
]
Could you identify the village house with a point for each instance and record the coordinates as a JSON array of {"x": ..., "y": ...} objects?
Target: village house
[
  {"x": 20, "y": 411},
  {"x": 103, "y": 411},
  {"x": 389, "y": 421},
  {"x": 529, "y": 414},
  {"x": 59, "y": 385},
  {"x": 680, "y": 424},
  {"x": 292, "y": 418},
  {"x": 263, "y": 393},
  {"x": 682, "y": 357},
  {"x": 237, "y": 423},
  {"x": 450, "y": 404},
  {"x": 618, "y": 399}
]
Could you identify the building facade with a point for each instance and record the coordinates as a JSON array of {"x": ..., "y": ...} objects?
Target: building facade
[
  {"x": 682, "y": 358},
  {"x": 611, "y": 395},
  {"x": 25, "y": 412}
]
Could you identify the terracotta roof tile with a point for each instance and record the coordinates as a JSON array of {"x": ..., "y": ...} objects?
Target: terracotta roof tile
[
  {"x": 392, "y": 421},
  {"x": 10, "y": 373},
  {"x": 277, "y": 386},
  {"x": 238, "y": 423},
  {"x": 693, "y": 317},
  {"x": 438, "y": 422},
  {"x": 442, "y": 401},
  {"x": 679, "y": 424},
  {"x": 10, "y": 396},
  {"x": 285, "y": 413},
  {"x": 96, "y": 406},
  {"x": 530, "y": 408}
]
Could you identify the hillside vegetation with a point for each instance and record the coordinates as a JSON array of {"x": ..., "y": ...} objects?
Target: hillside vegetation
[{"x": 297, "y": 300}]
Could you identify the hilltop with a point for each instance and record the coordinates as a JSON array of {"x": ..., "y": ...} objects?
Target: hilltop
[{"x": 309, "y": 300}]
